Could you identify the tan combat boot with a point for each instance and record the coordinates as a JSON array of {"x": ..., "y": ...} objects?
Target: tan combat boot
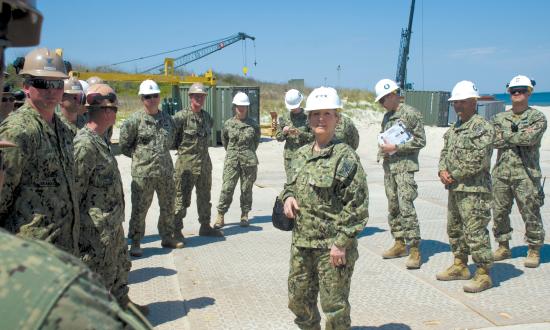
[
  {"x": 127, "y": 303},
  {"x": 171, "y": 243},
  {"x": 480, "y": 282},
  {"x": 220, "y": 221},
  {"x": 503, "y": 251},
  {"x": 458, "y": 271},
  {"x": 415, "y": 259},
  {"x": 533, "y": 257},
  {"x": 135, "y": 249},
  {"x": 398, "y": 250},
  {"x": 206, "y": 230},
  {"x": 244, "y": 220}
]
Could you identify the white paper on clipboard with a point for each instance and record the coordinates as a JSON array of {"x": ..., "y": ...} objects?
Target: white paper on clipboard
[{"x": 397, "y": 134}]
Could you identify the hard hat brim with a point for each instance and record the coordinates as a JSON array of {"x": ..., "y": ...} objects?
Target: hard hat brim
[
  {"x": 44, "y": 74},
  {"x": 382, "y": 95}
]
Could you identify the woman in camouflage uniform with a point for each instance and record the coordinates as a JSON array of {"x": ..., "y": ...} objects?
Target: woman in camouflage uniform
[
  {"x": 240, "y": 138},
  {"x": 327, "y": 195}
]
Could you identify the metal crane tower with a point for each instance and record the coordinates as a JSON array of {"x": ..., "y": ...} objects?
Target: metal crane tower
[
  {"x": 401, "y": 75},
  {"x": 171, "y": 64}
]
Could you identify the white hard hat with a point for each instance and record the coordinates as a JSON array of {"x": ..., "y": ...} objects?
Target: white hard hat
[
  {"x": 85, "y": 86},
  {"x": 464, "y": 90},
  {"x": 323, "y": 98},
  {"x": 384, "y": 87},
  {"x": 148, "y": 87},
  {"x": 241, "y": 99},
  {"x": 293, "y": 99},
  {"x": 521, "y": 81}
]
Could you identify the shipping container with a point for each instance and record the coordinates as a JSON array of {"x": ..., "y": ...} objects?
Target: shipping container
[
  {"x": 432, "y": 104},
  {"x": 219, "y": 105},
  {"x": 486, "y": 109}
]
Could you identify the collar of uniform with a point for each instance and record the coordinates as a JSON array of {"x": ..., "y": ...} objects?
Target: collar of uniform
[
  {"x": 468, "y": 124},
  {"x": 324, "y": 153}
]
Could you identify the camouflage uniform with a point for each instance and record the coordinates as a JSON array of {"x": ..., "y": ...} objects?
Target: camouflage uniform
[
  {"x": 331, "y": 190},
  {"x": 518, "y": 152},
  {"x": 240, "y": 139},
  {"x": 347, "y": 132},
  {"x": 466, "y": 155},
  {"x": 148, "y": 139},
  {"x": 39, "y": 198},
  {"x": 80, "y": 123},
  {"x": 293, "y": 142},
  {"x": 399, "y": 168},
  {"x": 193, "y": 166},
  {"x": 102, "y": 243},
  {"x": 45, "y": 288}
]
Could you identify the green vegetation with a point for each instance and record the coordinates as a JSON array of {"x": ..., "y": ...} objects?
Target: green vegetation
[{"x": 271, "y": 94}]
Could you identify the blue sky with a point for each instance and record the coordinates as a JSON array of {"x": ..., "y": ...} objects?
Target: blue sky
[{"x": 486, "y": 41}]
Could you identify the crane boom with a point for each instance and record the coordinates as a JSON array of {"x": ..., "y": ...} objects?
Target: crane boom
[
  {"x": 204, "y": 51},
  {"x": 401, "y": 75}
]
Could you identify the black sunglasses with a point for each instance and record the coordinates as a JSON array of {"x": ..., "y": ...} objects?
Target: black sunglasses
[
  {"x": 518, "y": 90},
  {"x": 45, "y": 84},
  {"x": 8, "y": 99},
  {"x": 150, "y": 96},
  {"x": 96, "y": 98}
]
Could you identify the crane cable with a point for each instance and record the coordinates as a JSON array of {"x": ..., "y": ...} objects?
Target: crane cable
[{"x": 167, "y": 52}]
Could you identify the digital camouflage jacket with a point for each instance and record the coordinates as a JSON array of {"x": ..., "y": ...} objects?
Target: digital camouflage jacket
[
  {"x": 518, "y": 150},
  {"x": 241, "y": 139},
  {"x": 405, "y": 159},
  {"x": 466, "y": 155},
  {"x": 332, "y": 194},
  {"x": 147, "y": 140}
]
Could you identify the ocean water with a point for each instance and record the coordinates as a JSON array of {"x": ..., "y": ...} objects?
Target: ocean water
[{"x": 542, "y": 99}]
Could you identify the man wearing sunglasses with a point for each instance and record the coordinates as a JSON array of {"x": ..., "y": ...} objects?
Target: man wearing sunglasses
[
  {"x": 147, "y": 137},
  {"x": 517, "y": 174},
  {"x": 193, "y": 166},
  {"x": 102, "y": 242},
  {"x": 400, "y": 162},
  {"x": 72, "y": 103},
  {"x": 39, "y": 199}
]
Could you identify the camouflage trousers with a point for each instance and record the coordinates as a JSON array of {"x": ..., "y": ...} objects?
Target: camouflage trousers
[
  {"x": 311, "y": 274},
  {"x": 401, "y": 191},
  {"x": 247, "y": 176},
  {"x": 185, "y": 180},
  {"x": 104, "y": 250},
  {"x": 525, "y": 193},
  {"x": 468, "y": 214},
  {"x": 142, "y": 196}
]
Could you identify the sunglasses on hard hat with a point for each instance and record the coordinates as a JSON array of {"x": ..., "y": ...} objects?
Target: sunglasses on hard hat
[
  {"x": 518, "y": 91},
  {"x": 150, "y": 96},
  {"x": 96, "y": 98},
  {"x": 45, "y": 84},
  {"x": 8, "y": 99}
]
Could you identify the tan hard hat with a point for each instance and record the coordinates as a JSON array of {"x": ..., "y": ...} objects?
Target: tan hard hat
[
  {"x": 43, "y": 62},
  {"x": 102, "y": 95},
  {"x": 197, "y": 88},
  {"x": 94, "y": 80},
  {"x": 72, "y": 86},
  {"x": 24, "y": 24}
]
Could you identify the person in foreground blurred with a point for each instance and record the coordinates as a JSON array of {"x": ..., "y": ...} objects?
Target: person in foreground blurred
[{"x": 327, "y": 196}]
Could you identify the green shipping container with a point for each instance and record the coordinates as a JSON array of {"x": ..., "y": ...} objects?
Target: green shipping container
[
  {"x": 433, "y": 105},
  {"x": 219, "y": 105}
]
